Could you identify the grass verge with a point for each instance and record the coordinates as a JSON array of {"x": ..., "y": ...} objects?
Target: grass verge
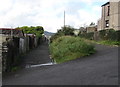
[
  {"x": 110, "y": 43},
  {"x": 67, "y": 48},
  {"x": 103, "y": 42}
]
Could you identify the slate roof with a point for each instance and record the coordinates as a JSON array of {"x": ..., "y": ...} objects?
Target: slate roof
[{"x": 105, "y": 4}]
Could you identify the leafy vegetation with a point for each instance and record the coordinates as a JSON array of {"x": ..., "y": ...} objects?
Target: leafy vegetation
[
  {"x": 67, "y": 48},
  {"x": 67, "y": 30},
  {"x": 92, "y": 23},
  {"x": 108, "y": 42},
  {"x": 89, "y": 36},
  {"x": 109, "y": 37},
  {"x": 106, "y": 37},
  {"x": 110, "y": 34},
  {"x": 38, "y": 30}
]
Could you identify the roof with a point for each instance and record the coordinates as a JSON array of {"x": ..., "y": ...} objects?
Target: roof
[
  {"x": 105, "y": 4},
  {"x": 6, "y": 28},
  {"x": 92, "y": 26},
  {"x": 30, "y": 34},
  {"x": 13, "y": 31}
]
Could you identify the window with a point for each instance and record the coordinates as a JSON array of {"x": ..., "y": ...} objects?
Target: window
[
  {"x": 107, "y": 23},
  {"x": 108, "y": 14}
]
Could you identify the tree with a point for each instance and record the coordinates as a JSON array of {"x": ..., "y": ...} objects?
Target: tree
[
  {"x": 38, "y": 30},
  {"x": 68, "y": 30},
  {"x": 92, "y": 23}
]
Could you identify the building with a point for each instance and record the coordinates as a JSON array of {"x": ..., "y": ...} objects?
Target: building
[
  {"x": 76, "y": 31},
  {"x": 82, "y": 30},
  {"x": 110, "y": 16},
  {"x": 91, "y": 28},
  {"x": 12, "y": 35},
  {"x": 11, "y": 32}
]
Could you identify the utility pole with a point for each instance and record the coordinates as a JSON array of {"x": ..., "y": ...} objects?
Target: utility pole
[{"x": 64, "y": 18}]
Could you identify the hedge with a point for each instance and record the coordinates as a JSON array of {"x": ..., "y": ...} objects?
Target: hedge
[
  {"x": 89, "y": 36},
  {"x": 108, "y": 34}
]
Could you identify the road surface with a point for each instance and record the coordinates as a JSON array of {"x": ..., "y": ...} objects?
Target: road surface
[{"x": 100, "y": 68}]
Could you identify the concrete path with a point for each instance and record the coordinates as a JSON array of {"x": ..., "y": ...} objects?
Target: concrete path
[{"x": 100, "y": 68}]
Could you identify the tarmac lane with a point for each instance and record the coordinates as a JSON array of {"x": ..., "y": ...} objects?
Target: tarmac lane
[{"x": 100, "y": 68}]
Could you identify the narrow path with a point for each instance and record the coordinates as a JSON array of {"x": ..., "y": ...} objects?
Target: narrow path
[
  {"x": 100, "y": 68},
  {"x": 39, "y": 55}
]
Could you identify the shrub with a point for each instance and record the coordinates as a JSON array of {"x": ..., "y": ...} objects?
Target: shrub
[
  {"x": 64, "y": 31},
  {"x": 66, "y": 48},
  {"x": 58, "y": 34},
  {"x": 38, "y": 30},
  {"x": 108, "y": 36},
  {"x": 108, "y": 42},
  {"x": 68, "y": 30},
  {"x": 102, "y": 34},
  {"x": 118, "y": 35},
  {"x": 89, "y": 35}
]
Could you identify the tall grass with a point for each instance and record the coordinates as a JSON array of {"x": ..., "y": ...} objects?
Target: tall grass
[
  {"x": 109, "y": 42},
  {"x": 67, "y": 48}
]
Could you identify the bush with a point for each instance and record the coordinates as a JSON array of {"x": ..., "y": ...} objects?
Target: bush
[
  {"x": 55, "y": 36},
  {"x": 89, "y": 36},
  {"x": 109, "y": 34},
  {"x": 67, "y": 48},
  {"x": 108, "y": 42},
  {"x": 68, "y": 30},
  {"x": 64, "y": 31},
  {"x": 118, "y": 35},
  {"x": 38, "y": 30},
  {"x": 102, "y": 34}
]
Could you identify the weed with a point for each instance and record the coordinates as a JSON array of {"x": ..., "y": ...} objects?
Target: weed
[{"x": 67, "y": 48}]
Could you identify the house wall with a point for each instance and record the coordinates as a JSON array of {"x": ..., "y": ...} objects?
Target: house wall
[
  {"x": 76, "y": 32},
  {"x": 119, "y": 15},
  {"x": 104, "y": 16},
  {"x": 91, "y": 29},
  {"x": 99, "y": 27},
  {"x": 114, "y": 16}
]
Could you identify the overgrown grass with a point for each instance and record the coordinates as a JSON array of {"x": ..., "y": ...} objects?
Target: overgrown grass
[
  {"x": 108, "y": 42},
  {"x": 67, "y": 48},
  {"x": 103, "y": 42}
]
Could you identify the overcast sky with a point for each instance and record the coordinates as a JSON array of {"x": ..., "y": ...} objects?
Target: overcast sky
[{"x": 49, "y": 13}]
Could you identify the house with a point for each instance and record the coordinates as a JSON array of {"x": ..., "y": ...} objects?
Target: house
[
  {"x": 91, "y": 28},
  {"x": 82, "y": 30},
  {"x": 76, "y": 31},
  {"x": 11, "y": 32},
  {"x": 12, "y": 35},
  {"x": 110, "y": 16}
]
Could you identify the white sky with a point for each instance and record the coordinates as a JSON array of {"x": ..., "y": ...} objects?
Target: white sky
[{"x": 49, "y": 13}]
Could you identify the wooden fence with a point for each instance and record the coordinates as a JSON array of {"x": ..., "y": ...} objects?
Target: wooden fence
[{"x": 13, "y": 48}]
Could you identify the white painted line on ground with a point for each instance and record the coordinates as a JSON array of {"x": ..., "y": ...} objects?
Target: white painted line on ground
[{"x": 38, "y": 65}]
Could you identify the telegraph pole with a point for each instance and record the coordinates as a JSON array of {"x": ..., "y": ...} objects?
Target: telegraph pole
[{"x": 64, "y": 18}]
